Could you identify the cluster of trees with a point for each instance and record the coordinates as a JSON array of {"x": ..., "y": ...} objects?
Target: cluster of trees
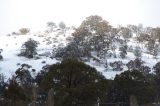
[
  {"x": 73, "y": 83},
  {"x": 68, "y": 83},
  {"x": 136, "y": 64},
  {"x": 95, "y": 37},
  {"x": 51, "y": 27},
  {"x": 92, "y": 35}
]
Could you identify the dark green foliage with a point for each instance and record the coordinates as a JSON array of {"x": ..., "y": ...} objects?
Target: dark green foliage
[
  {"x": 116, "y": 95},
  {"x": 135, "y": 83},
  {"x": 157, "y": 79},
  {"x": 74, "y": 83},
  {"x": 157, "y": 74},
  {"x": 41, "y": 74},
  {"x": 15, "y": 93}
]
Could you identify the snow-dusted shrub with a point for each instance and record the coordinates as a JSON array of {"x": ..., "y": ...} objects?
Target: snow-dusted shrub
[
  {"x": 1, "y": 57},
  {"x": 18, "y": 64},
  {"x": 138, "y": 64},
  {"x": 134, "y": 64},
  {"x": 117, "y": 66},
  {"x": 49, "y": 42},
  {"x": 37, "y": 57},
  {"x": 137, "y": 52},
  {"x": 97, "y": 61},
  {"x": 50, "y": 27},
  {"x": 72, "y": 50},
  {"x": 24, "y": 31},
  {"x": 43, "y": 62},
  {"x": 130, "y": 49},
  {"x": 123, "y": 51},
  {"x": 46, "y": 54},
  {"x": 109, "y": 54},
  {"x": 62, "y": 25}
]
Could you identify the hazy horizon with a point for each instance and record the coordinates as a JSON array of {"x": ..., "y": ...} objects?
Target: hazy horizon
[{"x": 34, "y": 14}]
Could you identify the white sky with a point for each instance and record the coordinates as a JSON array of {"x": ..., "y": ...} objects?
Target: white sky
[{"x": 15, "y": 14}]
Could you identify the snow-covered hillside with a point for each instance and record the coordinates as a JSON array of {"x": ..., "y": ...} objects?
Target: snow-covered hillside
[{"x": 11, "y": 46}]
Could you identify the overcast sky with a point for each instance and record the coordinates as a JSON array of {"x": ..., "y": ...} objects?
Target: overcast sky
[{"x": 15, "y": 14}]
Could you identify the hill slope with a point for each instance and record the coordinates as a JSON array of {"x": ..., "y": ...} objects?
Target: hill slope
[{"x": 49, "y": 41}]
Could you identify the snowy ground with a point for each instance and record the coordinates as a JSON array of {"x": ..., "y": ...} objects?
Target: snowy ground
[{"x": 11, "y": 46}]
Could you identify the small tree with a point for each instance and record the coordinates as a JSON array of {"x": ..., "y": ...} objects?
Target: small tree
[
  {"x": 62, "y": 25},
  {"x": 123, "y": 51},
  {"x": 126, "y": 33},
  {"x": 29, "y": 48},
  {"x": 151, "y": 46},
  {"x": 1, "y": 57},
  {"x": 51, "y": 26},
  {"x": 137, "y": 52},
  {"x": 23, "y": 76},
  {"x": 73, "y": 50},
  {"x": 155, "y": 51}
]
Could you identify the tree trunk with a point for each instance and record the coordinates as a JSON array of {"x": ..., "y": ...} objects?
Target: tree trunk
[
  {"x": 50, "y": 101},
  {"x": 133, "y": 101},
  {"x": 34, "y": 96}
]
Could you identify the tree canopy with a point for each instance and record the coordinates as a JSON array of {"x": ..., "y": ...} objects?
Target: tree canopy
[{"x": 74, "y": 83}]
